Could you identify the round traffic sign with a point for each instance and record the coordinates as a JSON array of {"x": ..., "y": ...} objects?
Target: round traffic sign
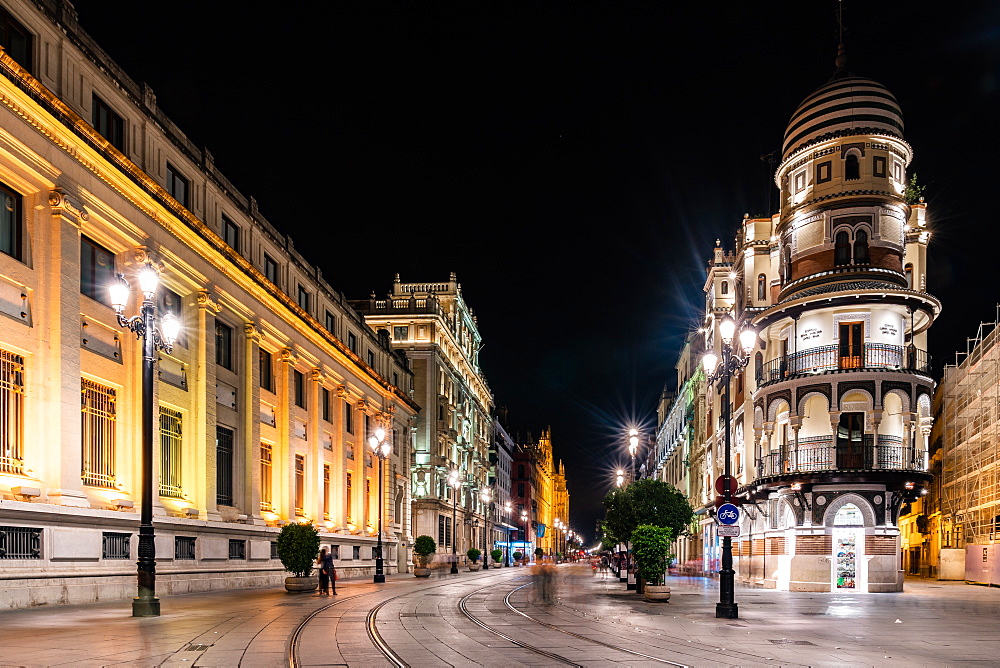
[
  {"x": 724, "y": 481},
  {"x": 728, "y": 514}
]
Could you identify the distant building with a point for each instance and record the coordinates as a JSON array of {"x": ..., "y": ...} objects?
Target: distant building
[
  {"x": 431, "y": 325},
  {"x": 262, "y": 409},
  {"x": 502, "y": 522}
]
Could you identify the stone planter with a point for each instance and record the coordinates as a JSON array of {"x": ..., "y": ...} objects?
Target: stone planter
[
  {"x": 656, "y": 592},
  {"x": 296, "y": 585},
  {"x": 475, "y": 567},
  {"x": 497, "y": 564},
  {"x": 421, "y": 572}
]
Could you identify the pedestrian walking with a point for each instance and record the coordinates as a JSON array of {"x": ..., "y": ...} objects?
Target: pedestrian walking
[{"x": 324, "y": 563}]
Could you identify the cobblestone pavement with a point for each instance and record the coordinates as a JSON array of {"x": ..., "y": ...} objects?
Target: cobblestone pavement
[{"x": 423, "y": 623}]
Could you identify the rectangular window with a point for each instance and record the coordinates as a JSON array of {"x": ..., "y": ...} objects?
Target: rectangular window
[
  {"x": 274, "y": 549},
  {"x": 371, "y": 359},
  {"x": 441, "y": 531},
  {"x": 110, "y": 125},
  {"x": 800, "y": 181},
  {"x": 10, "y": 223},
  {"x": 177, "y": 185},
  {"x": 98, "y": 434},
  {"x": 879, "y": 166},
  {"x": 368, "y": 500},
  {"x": 115, "y": 545},
  {"x": 330, "y": 323},
  {"x": 395, "y": 379},
  {"x": 223, "y": 345},
  {"x": 170, "y": 453},
  {"x": 266, "y": 370},
  {"x": 520, "y": 489},
  {"x": 224, "y": 442},
  {"x": 325, "y": 403},
  {"x": 350, "y": 498},
  {"x": 852, "y": 344},
  {"x": 348, "y": 417},
  {"x": 352, "y": 342},
  {"x": 326, "y": 491},
  {"x": 97, "y": 270},
  {"x": 231, "y": 233},
  {"x": 400, "y": 333},
  {"x": 16, "y": 40},
  {"x": 299, "y": 388},
  {"x": 300, "y": 484},
  {"x": 183, "y": 547},
  {"x": 356, "y": 552},
  {"x": 303, "y": 299},
  {"x": 265, "y": 476},
  {"x": 20, "y": 543},
  {"x": 824, "y": 172},
  {"x": 12, "y": 416},
  {"x": 237, "y": 548},
  {"x": 270, "y": 269}
]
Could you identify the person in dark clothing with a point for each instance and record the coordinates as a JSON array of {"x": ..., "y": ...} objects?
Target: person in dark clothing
[{"x": 324, "y": 562}]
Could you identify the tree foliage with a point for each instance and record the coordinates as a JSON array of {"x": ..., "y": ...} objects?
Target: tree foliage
[
  {"x": 298, "y": 545},
  {"x": 645, "y": 501},
  {"x": 651, "y": 546},
  {"x": 913, "y": 192},
  {"x": 423, "y": 547}
]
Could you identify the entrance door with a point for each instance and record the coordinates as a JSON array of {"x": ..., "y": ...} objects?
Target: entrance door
[
  {"x": 852, "y": 345},
  {"x": 848, "y": 541},
  {"x": 851, "y": 441}
]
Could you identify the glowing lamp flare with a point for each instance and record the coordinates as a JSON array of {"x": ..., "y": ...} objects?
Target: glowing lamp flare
[
  {"x": 748, "y": 339},
  {"x": 148, "y": 280},
  {"x": 710, "y": 361},
  {"x": 727, "y": 328},
  {"x": 170, "y": 328}
]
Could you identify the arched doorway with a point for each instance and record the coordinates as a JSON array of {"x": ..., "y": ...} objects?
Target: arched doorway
[{"x": 848, "y": 544}]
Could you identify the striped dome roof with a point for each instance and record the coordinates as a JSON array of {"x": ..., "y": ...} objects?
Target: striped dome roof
[{"x": 842, "y": 107}]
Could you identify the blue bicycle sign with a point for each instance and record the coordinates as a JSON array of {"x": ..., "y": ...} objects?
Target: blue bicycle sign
[{"x": 728, "y": 514}]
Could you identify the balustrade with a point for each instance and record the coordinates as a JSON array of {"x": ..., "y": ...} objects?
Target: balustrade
[
  {"x": 820, "y": 454},
  {"x": 827, "y": 359}
]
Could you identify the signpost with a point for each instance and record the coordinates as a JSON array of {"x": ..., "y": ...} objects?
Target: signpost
[
  {"x": 728, "y": 514},
  {"x": 728, "y": 530}
]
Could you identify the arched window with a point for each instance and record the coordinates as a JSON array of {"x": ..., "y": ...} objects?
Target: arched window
[
  {"x": 842, "y": 249},
  {"x": 852, "y": 168},
  {"x": 761, "y": 287},
  {"x": 725, "y": 287},
  {"x": 861, "y": 247},
  {"x": 908, "y": 272},
  {"x": 788, "y": 263},
  {"x": 758, "y": 367}
]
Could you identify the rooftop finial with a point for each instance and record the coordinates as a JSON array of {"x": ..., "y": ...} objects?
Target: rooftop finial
[{"x": 841, "y": 61}]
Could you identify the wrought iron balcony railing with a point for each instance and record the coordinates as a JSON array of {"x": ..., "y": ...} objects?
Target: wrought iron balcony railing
[
  {"x": 887, "y": 455},
  {"x": 830, "y": 359}
]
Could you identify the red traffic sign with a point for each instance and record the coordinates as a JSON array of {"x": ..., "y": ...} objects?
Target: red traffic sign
[{"x": 724, "y": 481}]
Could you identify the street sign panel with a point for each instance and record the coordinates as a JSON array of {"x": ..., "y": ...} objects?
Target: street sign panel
[
  {"x": 724, "y": 481},
  {"x": 730, "y": 531},
  {"x": 728, "y": 514}
]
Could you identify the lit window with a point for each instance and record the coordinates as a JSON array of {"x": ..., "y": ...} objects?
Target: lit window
[
  {"x": 98, "y": 434},
  {"x": 170, "y": 453}
]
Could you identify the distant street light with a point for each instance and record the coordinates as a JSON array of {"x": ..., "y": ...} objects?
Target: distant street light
[
  {"x": 382, "y": 449},
  {"x": 620, "y": 478},
  {"x": 633, "y": 448},
  {"x": 506, "y": 510},
  {"x": 726, "y": 608},
  {"x": 487, "y": 496},
  {"x": 145, "y": 604},
  {"x": 453, "y": 481}
]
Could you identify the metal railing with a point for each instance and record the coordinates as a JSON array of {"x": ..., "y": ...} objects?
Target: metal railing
[
  {"x": 20, "y": 543},
  {"x": 98, "y": 434},
  {"x": 826, "y": 359},
  {"x": 888, "y": 454},
  {"x": 224, "y": 465},
  {"x": 184, "y": 547},
  {"x": 170, "y": 453},
  {"x": 11, "y": 413},
  {"x": 115, "y": 545},
  {"x": 237, "y": 548}
]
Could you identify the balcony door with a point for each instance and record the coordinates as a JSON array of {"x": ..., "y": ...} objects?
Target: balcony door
[
  {"x": 851, "y": 441},
  {"x": 852, "y": 345}
]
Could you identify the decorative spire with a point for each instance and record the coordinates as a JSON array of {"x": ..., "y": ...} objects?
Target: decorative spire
[{"x": 841, "y": 61}]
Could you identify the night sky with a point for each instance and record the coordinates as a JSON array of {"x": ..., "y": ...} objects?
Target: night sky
[{"x": 572, "y": 162}]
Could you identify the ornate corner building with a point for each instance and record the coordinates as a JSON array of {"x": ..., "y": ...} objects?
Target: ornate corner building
[{"x": 831, "y": 415}]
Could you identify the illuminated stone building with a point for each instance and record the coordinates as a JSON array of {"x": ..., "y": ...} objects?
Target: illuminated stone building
[
  {"x": 265, "y": 403},
  {"x": 434, "y": 328},
  {"x": 502, "y": 520},
  {"x": 830, "y": 419},
  {"x": 538, "y": 487}
]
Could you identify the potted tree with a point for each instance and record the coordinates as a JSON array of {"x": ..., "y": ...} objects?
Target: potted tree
[
  {"x": 517, "y": 558},
  {"x": 651, "y": 546},
  {"x": 474, "y": 555},
  {"x": 298, "y": 545},
  {"x": 423, "y": 547},
  {"x": 538, "y": 553},
  {"x": 497, "y": 554}
]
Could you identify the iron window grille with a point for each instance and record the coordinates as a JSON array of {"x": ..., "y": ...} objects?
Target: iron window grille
[
  {"x": 11, "y": 413},
  {"x": 98, "y": 434},
  {"x": 300, "y": 484},
  {"x": 20, "y": 543},
  {"x": 183, "y": 547},
  {"x": 274, "y": 549},
  {"x": 170, "y": 453},
  {"x": 326, "y": 491},
  {"x": 237, "y": 548},
  {"x": 224, "y": 437},
  {"x": 266, "y": 453},
  {"x": 115, "y": 545}
]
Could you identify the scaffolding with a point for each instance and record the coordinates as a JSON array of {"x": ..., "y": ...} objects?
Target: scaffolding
[{"x": 970, "y": 480}]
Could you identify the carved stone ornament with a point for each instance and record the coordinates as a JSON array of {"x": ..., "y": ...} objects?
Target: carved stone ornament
[
  {"x": 317, "y": 375},
  {"x": 362, "y": 406},
  {"x": 253, "y": 332},
  {"x": 206, "y": 300},
  {"x": 288, "y": 355},
  {"x": 62, "y": 201},
  {"x": 341, "y": 391}
]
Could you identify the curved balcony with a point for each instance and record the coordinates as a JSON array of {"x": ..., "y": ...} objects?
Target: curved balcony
[
  {"x": 831, "y": 359},
  {"x": 821, "y": 455}
]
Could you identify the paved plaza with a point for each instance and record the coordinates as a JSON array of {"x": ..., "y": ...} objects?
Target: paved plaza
[{"x": 930, "y": 624}]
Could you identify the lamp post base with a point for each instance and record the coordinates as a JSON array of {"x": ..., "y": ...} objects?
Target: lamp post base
[
  {"x": 145, "y": 606},
  {"x": 379, "y": 578},
  {"x": 379, "y": 570},
  {"x": 727, "y": 611},
  {"x": 454, "y": 566}
]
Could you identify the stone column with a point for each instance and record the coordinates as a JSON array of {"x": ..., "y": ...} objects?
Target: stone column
[
  {"x": 203, "y": 409},
  {"x": 251, "y": 423}
]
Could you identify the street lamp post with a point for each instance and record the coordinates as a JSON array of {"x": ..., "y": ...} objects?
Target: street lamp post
[
  {"x": 527, "y": 543},
  {"x": 146, "y": 604},
  {"x": 487, "y": 496},
  {"x": 506, "y": 510},
  {"x": 726, "y": 608},
  {"x": 381, "y": 448},
  {"x": 633, "y": 448},
  {"x": 453, "y": 481}
]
